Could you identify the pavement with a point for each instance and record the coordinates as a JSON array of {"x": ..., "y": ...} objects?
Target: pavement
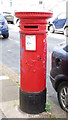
[{"x": 9, "y": 102}]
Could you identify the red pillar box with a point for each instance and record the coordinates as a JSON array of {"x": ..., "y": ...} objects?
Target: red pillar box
[{"x": 33, "y": 59}]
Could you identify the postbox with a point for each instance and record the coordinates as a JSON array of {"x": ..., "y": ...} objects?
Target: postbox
[{"x": 33, "y": 59}]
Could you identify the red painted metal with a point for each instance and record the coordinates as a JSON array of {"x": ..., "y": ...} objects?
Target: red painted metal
[{"x": 33, "y": 62}]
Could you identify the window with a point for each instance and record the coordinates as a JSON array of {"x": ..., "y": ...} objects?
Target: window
[
  {"x": 62, "y": 16},
  {"x": 1, "y": 17},
  {"x": 66, "y": 48}
]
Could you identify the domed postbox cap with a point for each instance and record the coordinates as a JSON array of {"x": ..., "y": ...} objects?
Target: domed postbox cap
[{"x": 30, "y": 15}]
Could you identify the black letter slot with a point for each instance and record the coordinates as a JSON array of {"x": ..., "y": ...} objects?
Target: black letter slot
[{"x": 30, "y": 26}]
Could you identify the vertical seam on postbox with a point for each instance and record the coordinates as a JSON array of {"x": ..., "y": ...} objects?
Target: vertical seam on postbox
[{"x": 21, "y": 50}]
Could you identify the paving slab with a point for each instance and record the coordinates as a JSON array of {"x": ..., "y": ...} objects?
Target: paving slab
[
  {"x": 9, "y": 90},
  {"x": 9, "y": 103},
  {"x": 2, "y": 115},
  {"x": 11, "y": 110},
  {"x": 55, "y": 110}
]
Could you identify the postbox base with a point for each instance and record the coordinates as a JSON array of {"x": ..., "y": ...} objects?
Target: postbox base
[{"x": 32, "y": 103}]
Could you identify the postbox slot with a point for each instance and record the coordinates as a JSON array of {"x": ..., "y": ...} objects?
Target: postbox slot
[{"x": 31, "y": 27}]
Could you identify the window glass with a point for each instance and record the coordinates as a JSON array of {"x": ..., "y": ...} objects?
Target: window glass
[
  {"x": 62, "y": 16},
  {"x": 1, "y": 17},
  {"x": 66, "y": 48}
]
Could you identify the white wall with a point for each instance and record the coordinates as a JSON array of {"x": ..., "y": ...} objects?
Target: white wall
[
  {"x": 31, "y": 5},
  {"x": 5, "y": 5}
]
